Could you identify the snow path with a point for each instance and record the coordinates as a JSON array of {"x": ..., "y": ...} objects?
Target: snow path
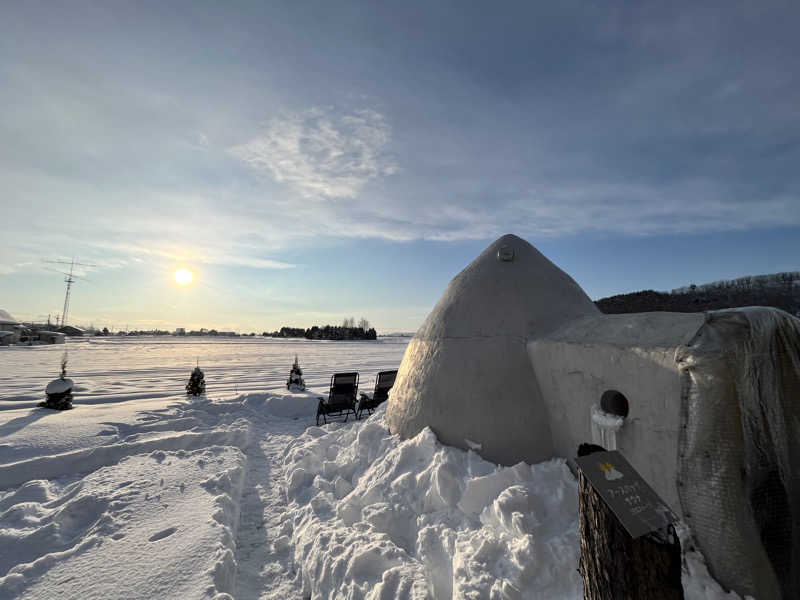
[
  {"x": 263, "y": 555},
  {"x": 234, "y": 528}
]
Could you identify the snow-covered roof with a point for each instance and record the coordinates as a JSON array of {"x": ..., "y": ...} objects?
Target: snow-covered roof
[
  {"x": 6, "y": 318},
  {"x": 632, "y": 330}
]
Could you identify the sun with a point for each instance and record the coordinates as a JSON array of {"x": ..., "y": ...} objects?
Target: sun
[{"x": 183, "y": 277}]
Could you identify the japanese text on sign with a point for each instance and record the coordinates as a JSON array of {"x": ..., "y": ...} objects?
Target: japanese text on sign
[{"x": 632, "y": 501}]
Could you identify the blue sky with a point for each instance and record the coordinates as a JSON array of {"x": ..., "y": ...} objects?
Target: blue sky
[{"x": 311, "y": 161}]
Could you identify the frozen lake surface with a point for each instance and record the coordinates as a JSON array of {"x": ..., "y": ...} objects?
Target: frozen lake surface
[{"x": 129, "y": 368}]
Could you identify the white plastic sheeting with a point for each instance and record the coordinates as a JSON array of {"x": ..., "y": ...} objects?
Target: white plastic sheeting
[{"x": 739, "y": 451}]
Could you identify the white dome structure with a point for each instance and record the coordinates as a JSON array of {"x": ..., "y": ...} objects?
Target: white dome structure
[
  {"x": 466, "y": 373},
  {"x": 516, "y": 362}
]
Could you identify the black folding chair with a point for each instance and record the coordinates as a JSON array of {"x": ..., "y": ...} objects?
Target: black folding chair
[
  {"x": 383, "y": 383},
  {"x": 341, "y": 399}
]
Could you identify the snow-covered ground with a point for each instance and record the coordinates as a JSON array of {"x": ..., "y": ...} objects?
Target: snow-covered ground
[
  {"x": 141, "y": 493},
  {"x": 116, "y": 369}
]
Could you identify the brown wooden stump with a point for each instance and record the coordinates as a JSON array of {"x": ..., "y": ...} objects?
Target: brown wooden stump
[{"x": 616, "y": 567}]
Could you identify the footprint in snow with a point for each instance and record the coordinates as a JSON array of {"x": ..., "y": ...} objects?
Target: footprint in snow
[{"x": 162, "y": 534}]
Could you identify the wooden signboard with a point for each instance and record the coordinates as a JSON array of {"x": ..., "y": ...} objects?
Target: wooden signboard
[{"x": 632, "y": 501}]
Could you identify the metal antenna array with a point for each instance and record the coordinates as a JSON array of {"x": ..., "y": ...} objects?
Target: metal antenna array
[{"x": 68, "y": 279}]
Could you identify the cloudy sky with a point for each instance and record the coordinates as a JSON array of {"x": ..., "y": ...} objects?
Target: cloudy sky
[{"x": 311, "y": 161}]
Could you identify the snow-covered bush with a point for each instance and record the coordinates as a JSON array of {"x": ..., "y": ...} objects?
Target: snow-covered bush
[
  {"x": 295, "y": 382},
  {"x": 59, "y": 391},
  {"x": 197, "y": 383}
]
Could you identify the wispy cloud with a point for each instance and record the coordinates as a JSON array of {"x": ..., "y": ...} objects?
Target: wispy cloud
[
  {"x": 322, "y": 152},
  {"x": 626, "y": 133},
  {"x": 213, "y": 252}
]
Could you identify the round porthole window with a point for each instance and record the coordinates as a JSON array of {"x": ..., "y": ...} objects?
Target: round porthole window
[{"x": 614, "y": 403}]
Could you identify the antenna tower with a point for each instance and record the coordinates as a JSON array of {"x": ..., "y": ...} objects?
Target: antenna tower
[{"x": 68, "y": 279}]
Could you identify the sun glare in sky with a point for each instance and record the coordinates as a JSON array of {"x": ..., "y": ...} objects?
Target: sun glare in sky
[{"x": 183, "y": 276}]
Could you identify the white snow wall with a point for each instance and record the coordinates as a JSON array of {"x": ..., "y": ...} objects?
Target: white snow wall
[
  {"x": 466, "y": 373},
  {"x": 633, "y": 354},
  {"x": 713, "y": 425}
]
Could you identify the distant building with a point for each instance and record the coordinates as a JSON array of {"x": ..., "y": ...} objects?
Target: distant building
[
  {"x": 11, "y": 325},
  {"x": 52, "y": 337},
  {"x": 71, "y": 331},
  {"x": 180, "y": 331}
]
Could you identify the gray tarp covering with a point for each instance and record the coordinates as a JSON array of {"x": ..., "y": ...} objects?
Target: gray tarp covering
[{"x": 739, "y": 452}]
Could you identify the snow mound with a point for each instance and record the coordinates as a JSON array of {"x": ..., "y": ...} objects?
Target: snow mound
[
  {"x": 371, "y": 516},
  {"x": 286, "y": 405}
]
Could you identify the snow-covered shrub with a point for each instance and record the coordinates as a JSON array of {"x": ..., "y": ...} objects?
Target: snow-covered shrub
[
  {"x": 197, "y": 383},
  {"x": 59, "y": 391},
  {"x": 295, "y": 382}
]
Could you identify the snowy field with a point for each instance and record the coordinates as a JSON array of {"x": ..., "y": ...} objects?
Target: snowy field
[
  {"x": 141, "y": 493},
  {"x": 114, "y": 369}
]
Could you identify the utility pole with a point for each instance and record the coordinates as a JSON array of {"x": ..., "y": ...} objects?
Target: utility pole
[{"x": 68, "y": 279}]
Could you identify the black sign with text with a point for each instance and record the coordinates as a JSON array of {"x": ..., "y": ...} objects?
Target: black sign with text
[{"x": 634, "y": 503}]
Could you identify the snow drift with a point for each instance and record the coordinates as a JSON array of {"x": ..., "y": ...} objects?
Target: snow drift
[{"x": 371, "y": 516}]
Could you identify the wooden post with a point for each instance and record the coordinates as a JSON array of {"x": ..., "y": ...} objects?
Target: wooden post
[{"x": 615, "y": 566}]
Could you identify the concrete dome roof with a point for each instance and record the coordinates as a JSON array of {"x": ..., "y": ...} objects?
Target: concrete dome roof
[{"x": 526, "y": 295}]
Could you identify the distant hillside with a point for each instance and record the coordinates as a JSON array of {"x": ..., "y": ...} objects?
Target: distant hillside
[{"x": 781, "y": 290}]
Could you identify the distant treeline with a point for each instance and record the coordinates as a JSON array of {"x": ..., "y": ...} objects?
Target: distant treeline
[
  {"x": 328, "y": 332},
  {"x": 779, "y": 290}
]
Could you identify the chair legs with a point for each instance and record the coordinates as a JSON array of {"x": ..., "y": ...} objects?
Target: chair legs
[
  {"x": 321, "y": 413},
  {"x": 361, "y": 412}
]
